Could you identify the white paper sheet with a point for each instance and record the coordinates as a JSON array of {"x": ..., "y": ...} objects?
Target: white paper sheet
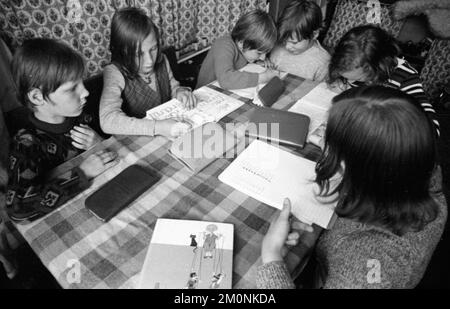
[
  {"x": 316, "y": 105},
  {"x": 269, "y": 174}
]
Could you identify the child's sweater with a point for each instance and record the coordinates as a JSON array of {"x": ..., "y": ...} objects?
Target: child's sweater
[
  {"x": 34, "y": 152},
  {"x": 223, "y": 63},
  {"x": 312, "y": 64},
  {"x": 351, "y": 252},
  {"x": 123, "y": 103}
]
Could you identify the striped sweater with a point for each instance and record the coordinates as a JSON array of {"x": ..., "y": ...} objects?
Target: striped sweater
[{"x": 406, "y": 79}]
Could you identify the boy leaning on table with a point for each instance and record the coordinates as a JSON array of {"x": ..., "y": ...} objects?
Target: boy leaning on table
[{"x": 48, "y": 75}]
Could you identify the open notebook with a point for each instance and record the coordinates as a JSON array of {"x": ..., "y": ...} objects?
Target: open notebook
[
  {"x": 186, "y": 254},
  {"x": 211, "y": 107},
  {"x": 270, "y": 174},
  {"x": 316, "y": 104}
]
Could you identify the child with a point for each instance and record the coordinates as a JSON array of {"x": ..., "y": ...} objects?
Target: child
[
  {"x": 138, "y": 79},
  {"x": 299, "y": 52},
  {"x": 48, "y": 75},
  {"x": 252, "y": 37},
  {"x": 369, "y": 55},
  {"x": 391, "y": 209}
]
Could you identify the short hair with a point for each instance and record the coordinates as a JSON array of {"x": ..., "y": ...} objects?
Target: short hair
[
  {"x": 368, "y": 47},
  {"x": 257, "y": 30},
  {"x": 299, "y": 17},
  {"x": 129, "y": 28},
  {"x": 387, "y": 145},
  {"x": 45, "y": 64}
]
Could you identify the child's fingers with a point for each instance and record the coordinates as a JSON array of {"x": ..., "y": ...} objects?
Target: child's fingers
[
  {"x": 182, "y": 98},
  {"x": 79, "y": 135},
  {"x": 82, "y": 130},
  {"x": 298, "y": 225},
  {"x": 107, "y": 156},
  {"x": 292, "y": 242},
  {"x": 191, "y": 101},
  {"x": 79, "y": 139},
  {"x": 110, "y": 164},
  {"x": 78, "y": 145},
  {"x": 293, "y": 236}
]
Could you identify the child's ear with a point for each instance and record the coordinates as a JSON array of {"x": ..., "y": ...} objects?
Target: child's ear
[
  {"x": 36, "y": 97},
  {"x": 240, "y": 45},
  {"x": 316, "y": 34}
]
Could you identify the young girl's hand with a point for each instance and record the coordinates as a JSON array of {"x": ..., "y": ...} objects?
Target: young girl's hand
[
  {"x": 281, "y": 233},
  {"x": 171, "y": 128},
  {"x": 269, "y": 64},
  {"x": 83, "y": 137},
  {"x": 98, "y": 162},
  {"x": 185, "y": 96},
  {"x": 266, "y": 76}
]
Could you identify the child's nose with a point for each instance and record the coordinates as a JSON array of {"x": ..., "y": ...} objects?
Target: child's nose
[{"x": 84, "y": 92}]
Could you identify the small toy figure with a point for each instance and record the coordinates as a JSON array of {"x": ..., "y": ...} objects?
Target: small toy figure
[
  {"x": 193, "y": 242},
  {"x": 193, "y": 281},
  {"x": 216, "y": 280}
]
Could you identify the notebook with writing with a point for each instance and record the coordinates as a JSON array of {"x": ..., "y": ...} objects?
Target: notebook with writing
[{"x": 270, "y": 174}]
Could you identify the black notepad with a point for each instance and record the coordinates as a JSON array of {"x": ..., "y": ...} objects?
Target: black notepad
[
  {"x": 120, "y": 191},
  {"x": 270, "y": 93},
  {"x": 292, "y": 127}
]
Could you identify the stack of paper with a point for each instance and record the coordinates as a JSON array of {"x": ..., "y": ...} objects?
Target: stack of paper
[
  {"x": 269, "y": 174},
  {"x": 316, "y": 105}
]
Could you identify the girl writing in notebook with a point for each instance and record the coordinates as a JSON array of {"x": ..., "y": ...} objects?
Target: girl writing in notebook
[
  {"x": 391, "y": 211},
  {"x": 138, "y": 79},
  {"x": 368, "y": 55}
]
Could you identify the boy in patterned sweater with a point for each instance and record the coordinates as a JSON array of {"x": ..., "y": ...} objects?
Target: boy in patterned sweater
[{"x": 48, "y": 75}]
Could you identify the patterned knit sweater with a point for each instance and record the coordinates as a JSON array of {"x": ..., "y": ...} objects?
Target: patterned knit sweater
[
  {"x": 34, "y": 152},
  {"x": 355, "y": 255}
]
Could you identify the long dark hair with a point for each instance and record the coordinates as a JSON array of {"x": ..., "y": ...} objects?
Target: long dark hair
[
  {"x": 129, "y": 27},
  {"x": 368, "y": 47},
  {"x": 387, "y": 146}
]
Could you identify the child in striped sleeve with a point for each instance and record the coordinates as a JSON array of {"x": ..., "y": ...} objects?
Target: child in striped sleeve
[{"x": 368, "y": 55}]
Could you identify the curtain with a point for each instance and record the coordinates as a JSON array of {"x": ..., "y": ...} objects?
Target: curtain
[{"x": 185, "y": 24}]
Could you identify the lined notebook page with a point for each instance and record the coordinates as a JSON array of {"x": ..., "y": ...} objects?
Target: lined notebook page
[{"x": 270, "y": 174}]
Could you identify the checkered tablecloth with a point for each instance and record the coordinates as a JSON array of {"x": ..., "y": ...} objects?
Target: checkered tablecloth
[{"x": 83, "y": 252}]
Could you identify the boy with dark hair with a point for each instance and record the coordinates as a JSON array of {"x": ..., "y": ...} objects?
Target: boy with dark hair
[
  {"x": 298, "y": 51},
  {"x": 252, "y": 37},
  {"x": 48, "y": 75}
]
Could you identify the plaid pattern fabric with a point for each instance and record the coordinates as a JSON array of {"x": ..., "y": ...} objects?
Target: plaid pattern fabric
[
  {"x": 138, "y": 97},
  {"x": 111, "y": 255}
]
